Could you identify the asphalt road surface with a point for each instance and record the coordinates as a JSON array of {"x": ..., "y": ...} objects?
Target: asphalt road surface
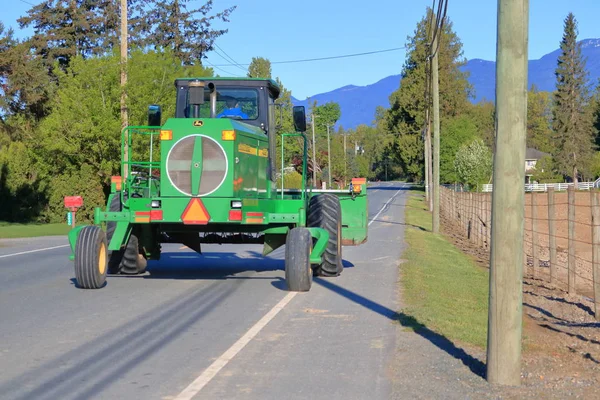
[{"x": 215, "y": 326}]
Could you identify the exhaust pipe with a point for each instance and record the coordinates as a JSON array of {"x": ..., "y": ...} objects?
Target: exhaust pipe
[
  {"x": 213, "y": 100},
  {"x": 196, "y": 94}
]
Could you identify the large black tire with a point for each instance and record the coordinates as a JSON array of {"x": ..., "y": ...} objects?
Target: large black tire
[
  {"x": 91, "y": 261},
  {"x": 133, "y": 262},
  {"x": 298, "y": 274},
  {"x": 114, "y": 257},
  {"x": 126, "y": 261},
  {"x": 325, "y": 211}
]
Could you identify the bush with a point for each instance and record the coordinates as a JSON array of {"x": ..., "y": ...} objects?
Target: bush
[
  {"x": 83, "y": 183},
  {"x": 291, "y": 180}
]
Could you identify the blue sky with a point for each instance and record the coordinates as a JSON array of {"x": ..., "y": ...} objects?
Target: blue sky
[{"x": 292, "y": 30}]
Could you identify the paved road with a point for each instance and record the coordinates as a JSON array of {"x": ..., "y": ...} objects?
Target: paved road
[{"x": 150, "y": 337}]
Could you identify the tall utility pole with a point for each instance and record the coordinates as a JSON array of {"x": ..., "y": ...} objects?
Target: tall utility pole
[
  {"x": 508, "y": 198},
  {"x": 345, "y": 162},
  {"x": 436, "y": 130},
  {"x": 328, "y": 157},
  {"x": 314, "y": 152},
  {"x": 124, "y": 115}
]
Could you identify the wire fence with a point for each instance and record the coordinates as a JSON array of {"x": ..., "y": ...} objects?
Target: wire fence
[{"x": 561, "y": 234}]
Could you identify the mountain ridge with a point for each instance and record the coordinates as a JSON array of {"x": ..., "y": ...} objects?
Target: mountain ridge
[{"x": 358, "y": 103}]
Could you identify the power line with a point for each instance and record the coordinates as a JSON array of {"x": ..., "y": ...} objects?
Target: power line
[
  {"x": 230, "y": 58},
  {"x": 322, "y": 58},
  {"x": 221, "y": 69},
  {"x": 26, "y": 2}
]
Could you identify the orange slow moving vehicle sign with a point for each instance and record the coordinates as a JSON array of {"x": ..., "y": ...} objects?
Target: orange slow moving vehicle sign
[{"x": 195, "y": 213}]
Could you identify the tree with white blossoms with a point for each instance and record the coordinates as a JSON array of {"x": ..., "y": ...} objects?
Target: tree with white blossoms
[{"x": 473, "y": 163}]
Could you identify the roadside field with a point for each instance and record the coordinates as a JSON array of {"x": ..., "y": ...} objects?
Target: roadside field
[{"x": 11, "y": 231}]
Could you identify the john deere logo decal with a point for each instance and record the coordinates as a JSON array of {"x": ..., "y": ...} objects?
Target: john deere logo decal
[{"x": 198, "y": 123}]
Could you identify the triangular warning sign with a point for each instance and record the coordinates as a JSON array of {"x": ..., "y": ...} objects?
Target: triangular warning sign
[{"x": 195, "y": 213}]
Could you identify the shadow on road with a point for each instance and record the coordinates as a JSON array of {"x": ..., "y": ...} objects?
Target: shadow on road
[
  {"x": 211, "y": 266},
  {"x": 476, "y": 366},
  {"x": 92, "y": 367}
]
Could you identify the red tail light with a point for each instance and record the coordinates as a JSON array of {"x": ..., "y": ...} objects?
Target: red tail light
[{"x": 235, "y": 215}]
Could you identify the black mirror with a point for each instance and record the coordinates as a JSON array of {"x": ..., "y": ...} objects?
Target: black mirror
[
  {"x": 154, "y": 115},
  {"x": 299, "y": 118}
]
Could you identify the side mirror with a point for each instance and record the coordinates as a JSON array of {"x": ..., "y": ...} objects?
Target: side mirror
[
  {"x": 299, "y": 118},
  {"x": 154, "y": 115}
]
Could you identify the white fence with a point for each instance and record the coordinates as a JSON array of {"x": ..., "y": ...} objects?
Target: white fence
[{"x": 543, "y": 187}]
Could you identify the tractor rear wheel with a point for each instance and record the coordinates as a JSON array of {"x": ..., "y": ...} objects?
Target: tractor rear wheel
[
  {"x": 114, "y": 257},
  {"x": 91, "y": 261},
  {"x": 298, "y": 274},
  {"x": 126, "y": 261},
  {"x": 133, "y": 262},
  {"x": 325, "y": 211}
]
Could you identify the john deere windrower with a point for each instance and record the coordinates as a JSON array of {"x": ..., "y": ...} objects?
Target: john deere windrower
[{"x": 208, "y": 175}]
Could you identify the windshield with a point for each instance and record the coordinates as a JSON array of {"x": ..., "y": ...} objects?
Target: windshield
[{"x": 235, "y": 103}]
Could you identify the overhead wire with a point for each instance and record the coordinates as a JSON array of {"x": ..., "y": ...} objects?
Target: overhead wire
[
  {"x": 229, "y": 58},
  {"x": 323, "y": 58}
]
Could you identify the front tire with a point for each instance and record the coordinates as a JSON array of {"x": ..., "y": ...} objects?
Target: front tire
[
  {"x": 298, "y": 274},
  {"x": 91, "y": 260}
]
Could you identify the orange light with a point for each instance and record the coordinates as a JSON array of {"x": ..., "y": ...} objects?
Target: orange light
[
  {"x": 166, "y": 135},
  {"x": 142, "y": 216},
  {"x": 254, "y": 220},
  {"x": 228, "y": 135},
  {"x": 117, "y": 180},
  {"x": 359, "y": 181},
  {"x": 235, "y": 215},
  {"x": 195, "y": 213}
]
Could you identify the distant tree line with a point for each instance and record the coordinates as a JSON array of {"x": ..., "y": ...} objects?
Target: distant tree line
[{"x": 60, "y": 92}]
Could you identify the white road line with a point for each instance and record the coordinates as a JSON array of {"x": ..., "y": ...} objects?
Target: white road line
[
  {"x": 209, "y": 373},
  {"x": 384, "y": 206},
  {"x": 34, "y": 251},
  {"x": 220, "y": 362}
]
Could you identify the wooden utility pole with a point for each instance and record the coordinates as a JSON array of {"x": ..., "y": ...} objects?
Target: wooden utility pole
[
  {"x": 314, "y": 151},
  {"x": 436, "y": 132},
  {"x": 328, "y": 157},
  {"x": 508, "y": 197},
  {"x": 124, "y": 114},
  {"x": 345, "y": 161}
]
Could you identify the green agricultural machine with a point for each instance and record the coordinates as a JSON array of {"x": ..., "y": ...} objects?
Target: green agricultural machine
[{"x": 209, "y": 175}]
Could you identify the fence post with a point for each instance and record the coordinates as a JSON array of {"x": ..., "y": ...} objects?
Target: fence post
[
  {"x": 471, "y": 216},
  {"x": 596, "y": 250},
  {"x": 481, "y": 221},
  {"x": 534, "y": 237},
  {"x": 552, "y": 236},
  {"x": 572, "y": 275},
  {"x": 453, "y": 205}
]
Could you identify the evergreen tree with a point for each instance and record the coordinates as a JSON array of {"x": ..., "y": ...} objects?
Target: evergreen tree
[
  {"x": 168, "y": 24},
  {"x": 572, "y": 119},
  {"x": 406, "y": 115}
]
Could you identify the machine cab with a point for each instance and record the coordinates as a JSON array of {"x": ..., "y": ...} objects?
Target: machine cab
[{"x": 248, "y": 100}]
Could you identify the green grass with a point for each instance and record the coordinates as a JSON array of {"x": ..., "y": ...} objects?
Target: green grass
[
  {"x": 443, "y": 289},
  {"x": 9, "y": 231}
]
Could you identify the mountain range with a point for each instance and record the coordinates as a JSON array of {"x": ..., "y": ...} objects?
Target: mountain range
[{"x": 358, "y": 103}]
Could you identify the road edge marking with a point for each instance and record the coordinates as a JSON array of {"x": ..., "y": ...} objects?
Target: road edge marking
[
  {"x": 209, "y": 373},
  {"x": 34, "y": 251},
  {"x": 383, "y": 208}
]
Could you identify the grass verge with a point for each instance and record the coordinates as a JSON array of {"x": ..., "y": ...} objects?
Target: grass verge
[
  {"x": 10, "y": 231},
  {"x": 443, "y": 289}
]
